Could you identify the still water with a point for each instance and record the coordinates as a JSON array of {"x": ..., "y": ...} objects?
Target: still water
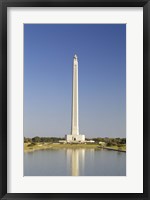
[{"x": 75, "y": 162}]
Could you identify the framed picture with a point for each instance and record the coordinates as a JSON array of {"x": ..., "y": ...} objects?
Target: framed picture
[{"x": 74, "y": 99}]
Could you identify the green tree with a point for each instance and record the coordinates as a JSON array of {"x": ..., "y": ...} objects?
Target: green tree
[{"x": 36, "y": 139}]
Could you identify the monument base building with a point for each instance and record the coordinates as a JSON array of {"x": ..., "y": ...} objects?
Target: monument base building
[{"x": 75, "y": 138}]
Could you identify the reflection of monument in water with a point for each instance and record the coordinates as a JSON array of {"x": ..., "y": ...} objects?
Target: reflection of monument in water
[
  {"x": 75, "y": 136},
  {"x": 75, "y": 158},
  {"x": 75, "y": 162}
]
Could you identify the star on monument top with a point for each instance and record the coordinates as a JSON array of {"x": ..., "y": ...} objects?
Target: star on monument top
[{"x": 75, "y": 56}]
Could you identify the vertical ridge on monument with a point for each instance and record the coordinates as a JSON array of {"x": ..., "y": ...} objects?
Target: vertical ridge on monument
[{"x": 75, "y": 136}]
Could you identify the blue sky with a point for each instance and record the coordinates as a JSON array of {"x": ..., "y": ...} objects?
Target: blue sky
[{"x": 48, "y": 57}]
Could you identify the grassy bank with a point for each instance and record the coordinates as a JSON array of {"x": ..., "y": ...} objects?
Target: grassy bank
[
  {"x": 42, "y": 146},
  {"x": 116, "y": 148}
]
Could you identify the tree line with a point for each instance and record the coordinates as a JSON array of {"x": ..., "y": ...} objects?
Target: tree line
[
  {"x": 108, "y": 141},
  {"x": 42, "y": 139}
]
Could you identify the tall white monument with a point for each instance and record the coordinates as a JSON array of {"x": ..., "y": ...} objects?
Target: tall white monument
[{"x": 75, "y": 136}]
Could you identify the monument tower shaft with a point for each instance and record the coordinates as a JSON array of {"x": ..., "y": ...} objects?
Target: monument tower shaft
[
  {"x": 75, "y": 115},
  {"x": 75, "y": 136}
]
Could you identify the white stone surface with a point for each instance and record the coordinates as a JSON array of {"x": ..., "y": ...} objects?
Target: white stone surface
[
  {"x": 75, "y": 117},
  {"x": 75, "y": 136}
]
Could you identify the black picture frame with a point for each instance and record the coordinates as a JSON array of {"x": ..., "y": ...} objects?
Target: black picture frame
[{"x": 3, "y": 96}]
